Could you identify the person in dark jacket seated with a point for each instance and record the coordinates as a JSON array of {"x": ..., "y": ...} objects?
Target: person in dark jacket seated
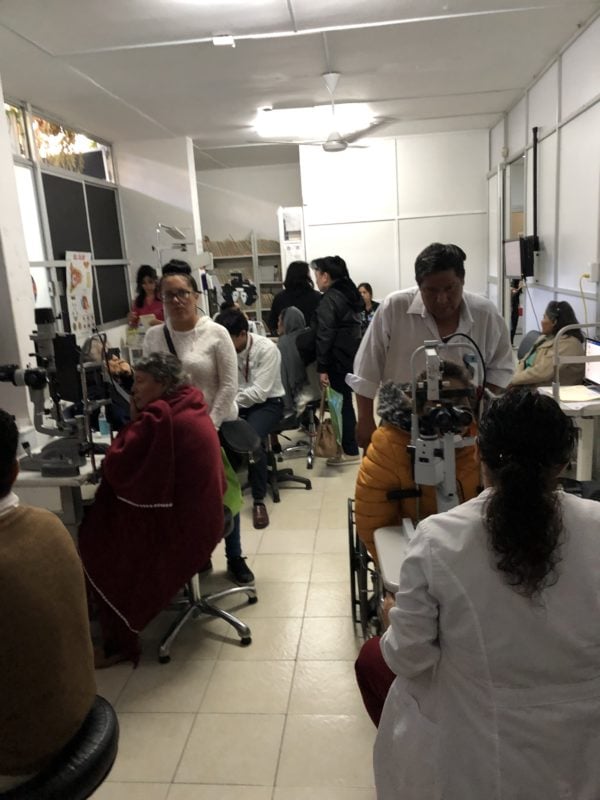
[
  {"x": 299, "y": 381},
  {"x": 47, "y": 684},
  {"x": 158, "y": 512},
  {"x": 338, "y": 333}
]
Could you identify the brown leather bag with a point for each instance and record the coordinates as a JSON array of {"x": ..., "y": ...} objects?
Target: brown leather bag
[{"x": 326, "y": 445}]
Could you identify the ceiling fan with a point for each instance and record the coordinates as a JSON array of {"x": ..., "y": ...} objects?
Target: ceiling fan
[{"x": 335, "y": 142}]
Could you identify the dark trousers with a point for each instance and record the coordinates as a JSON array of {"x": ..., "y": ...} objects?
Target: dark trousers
[
  {"x": 349, "y": 445},
  {"x": 374, "y": 678},
  {"x": 263, "y": 417}
]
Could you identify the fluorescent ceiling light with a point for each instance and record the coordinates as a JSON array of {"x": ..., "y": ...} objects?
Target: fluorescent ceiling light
[
  {"x": 315, "y": 122},
  {"x": 223, "y": 41}
]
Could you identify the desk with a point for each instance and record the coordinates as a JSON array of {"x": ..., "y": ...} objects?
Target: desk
[
  {"x": 583, "y": 415},
  {"x": 39, "y": 490}
]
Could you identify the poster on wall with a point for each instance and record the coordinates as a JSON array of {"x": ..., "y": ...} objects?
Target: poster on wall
[{"x": 80, "y": 285}]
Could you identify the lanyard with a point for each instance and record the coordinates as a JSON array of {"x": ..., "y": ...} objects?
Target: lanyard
[{"x": 247, "y": 367}]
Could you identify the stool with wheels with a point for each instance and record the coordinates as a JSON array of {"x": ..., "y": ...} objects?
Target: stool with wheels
[{"x": 83, "y": 763}]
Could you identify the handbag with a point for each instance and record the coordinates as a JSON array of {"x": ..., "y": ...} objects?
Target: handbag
[{"x": 326, "y": 445}]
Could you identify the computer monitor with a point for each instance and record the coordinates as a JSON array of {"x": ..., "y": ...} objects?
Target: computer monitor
[{"x": 592, "y": 368}]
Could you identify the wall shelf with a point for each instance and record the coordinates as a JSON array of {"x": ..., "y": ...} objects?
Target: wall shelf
[{"x": 253, "y": 266}]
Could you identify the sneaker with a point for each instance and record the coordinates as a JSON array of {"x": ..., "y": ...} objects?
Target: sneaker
[
  {"x": 342, "y": 460},
  {"x": 238, "y": 571}
]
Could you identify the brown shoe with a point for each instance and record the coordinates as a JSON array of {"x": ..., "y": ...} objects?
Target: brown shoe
[{"x": 260, "y": 517}]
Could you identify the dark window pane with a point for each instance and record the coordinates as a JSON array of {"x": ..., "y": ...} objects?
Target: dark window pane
[
  {"x": 94, "y": 165},
  {"x": 104, "y": 222},
  {"x": 113, "y": 293},
  {"x": 66, "y": 216}
]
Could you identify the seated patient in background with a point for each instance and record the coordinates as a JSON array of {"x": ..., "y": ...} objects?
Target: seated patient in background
[
  {"x": 300, "y": 382},
  {"x": 388, "y": 465},
  {"x": 536, "y": 368},
  {"x": 47, "y": 683},
  {"x": 158, "y": 512}
]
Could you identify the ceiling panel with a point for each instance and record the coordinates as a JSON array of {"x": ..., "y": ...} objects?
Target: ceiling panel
[
  {"x": 255, "y": 156},
  {"x": 446, "y": 72},
  {"x": 101, "y": 24}
]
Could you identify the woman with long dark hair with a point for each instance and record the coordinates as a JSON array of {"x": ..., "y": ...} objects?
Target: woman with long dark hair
[
  {"x": 299, "y": 291},
  {"x": 494, "y": 636},
  {"x": 338, "y": 331},
  {"x": 537, "y": 367},
  {"x": 147, "y": 301},
  {"x": 371, "y": 306}
]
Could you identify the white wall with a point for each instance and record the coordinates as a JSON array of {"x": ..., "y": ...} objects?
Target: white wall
[
  {"x": 378, "y": 207},
  {"x": 565, "y": 106},
  {"x": 16, "y": 295},
  {"x": 156, "y": 185},
  {"x": 235, "y": 201}
]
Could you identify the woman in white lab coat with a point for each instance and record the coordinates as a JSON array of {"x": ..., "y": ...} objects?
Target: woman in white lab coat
[{"x": 495, "y": 635}]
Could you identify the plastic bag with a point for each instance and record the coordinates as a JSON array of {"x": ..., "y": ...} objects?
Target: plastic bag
[{"x": 335, "y": 401}]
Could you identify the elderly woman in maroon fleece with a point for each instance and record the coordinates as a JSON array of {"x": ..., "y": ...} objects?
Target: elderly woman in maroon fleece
[{"x": 140, "y": 540}]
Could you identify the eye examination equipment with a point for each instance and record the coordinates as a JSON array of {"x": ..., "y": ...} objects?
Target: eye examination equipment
[
  {"x": 436, "y": 433},
  {"x": 76, "y": 386}
]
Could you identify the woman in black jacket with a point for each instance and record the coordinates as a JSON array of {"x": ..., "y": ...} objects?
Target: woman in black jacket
[
  {"x": 338, "y": 333},
  {"x": 299, "y": 291}
]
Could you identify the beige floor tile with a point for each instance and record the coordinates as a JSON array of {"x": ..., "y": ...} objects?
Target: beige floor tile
[
  {"x": 296, "y": 497},
  {"x": 328, "y": 600},
  {"x": 249, "y": 687},
  {"x": 132, "y": 791},
  {"x": 333, "y": 515},
  {"x": 327, "y": 750},
  {"x": 232, "y": 749},
  {"x": 177, "y": 686},
  {"x": 331, "y": 540},
  {"x": 287, "y": 518},
  {"x": 195, "y": 791},
  {"x": 330, "y": 568},
  {"x": 275, "y": 600},
  {"x": 150, "y": 746},
  {"x": 329, "y": 793},
  {"x": 328, "y": 639},
  {"x": 325, "y": 687},
  {"x": 282, "y": 567},
  {"x": 272, "y": 640},
  {"x": 110, "y": 682},
  {"x": 288, "y": 541}
]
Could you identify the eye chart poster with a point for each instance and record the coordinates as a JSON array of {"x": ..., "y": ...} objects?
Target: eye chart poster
[{"x": 79, "y": 294}]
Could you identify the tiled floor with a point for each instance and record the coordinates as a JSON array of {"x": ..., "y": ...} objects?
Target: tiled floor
[{"x": 279, "y": 720}]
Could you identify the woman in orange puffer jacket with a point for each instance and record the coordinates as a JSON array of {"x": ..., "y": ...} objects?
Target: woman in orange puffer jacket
[{"x": 388, "y": 465}]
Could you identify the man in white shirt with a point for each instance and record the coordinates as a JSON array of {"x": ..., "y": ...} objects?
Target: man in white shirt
[
  {"x": 436, "y": 308},
  {"x": 260, "y": 396}
]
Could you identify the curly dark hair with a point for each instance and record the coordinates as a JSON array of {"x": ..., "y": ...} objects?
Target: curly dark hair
[{"x": 524, "y": 441}]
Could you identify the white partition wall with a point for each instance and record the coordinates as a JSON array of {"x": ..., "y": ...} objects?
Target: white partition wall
[
  {"x": 369, "y": 248},
  {"x": 564, "y": 104},
  {"x": 378, "y": 207}
]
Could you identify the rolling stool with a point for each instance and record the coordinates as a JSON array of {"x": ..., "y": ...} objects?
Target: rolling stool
[
  {"x": 286, "y": 475},
  {"x": 195, "y": 603},
  {"x": 83, "y": 763},
  {"x": 302, "y": 445}
]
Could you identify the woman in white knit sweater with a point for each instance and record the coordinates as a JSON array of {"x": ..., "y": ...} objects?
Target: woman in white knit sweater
[{"x": 207, "y": 353}]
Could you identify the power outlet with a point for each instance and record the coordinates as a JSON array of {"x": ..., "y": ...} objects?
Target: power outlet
[{"x": 594, "y": 272}]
